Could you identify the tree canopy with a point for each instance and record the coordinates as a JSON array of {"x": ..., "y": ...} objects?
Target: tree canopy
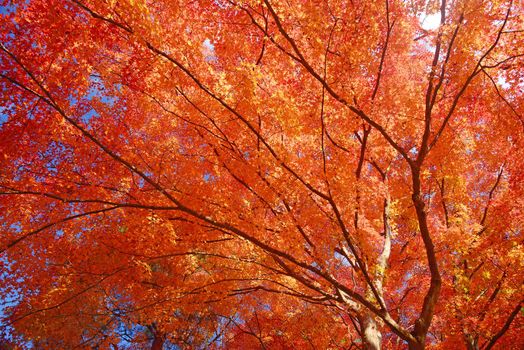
[{"x": 261, "y": 174}]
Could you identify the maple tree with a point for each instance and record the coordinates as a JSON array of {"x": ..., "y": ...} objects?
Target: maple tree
[{"x": 262, "y": 174}]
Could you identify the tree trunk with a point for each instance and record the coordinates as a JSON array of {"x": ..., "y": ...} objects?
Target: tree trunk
[
  {"x": 472, "y": 342},
  {"x": 158, "y": 343},
  {"x": 158, "y": 338},
  {"x": 416, "y": 346},
  {"x": 371, "y": 335}
]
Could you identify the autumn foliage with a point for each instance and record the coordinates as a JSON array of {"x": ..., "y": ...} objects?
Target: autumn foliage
[{"x": 261, "y": 174}]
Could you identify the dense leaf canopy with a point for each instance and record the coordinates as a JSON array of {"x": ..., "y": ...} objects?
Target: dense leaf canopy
[{"x": 261, "y": 174}]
